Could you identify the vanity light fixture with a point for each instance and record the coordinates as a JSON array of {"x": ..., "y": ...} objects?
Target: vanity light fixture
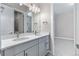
[
  {"x": 29, "y": 14},
  {"x": 38, "y": 10},
  {"x": 33, "y": 8}
]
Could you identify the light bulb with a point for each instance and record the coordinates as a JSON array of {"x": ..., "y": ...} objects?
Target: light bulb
[
  {"x": 36, "y": 10},
  {"x": 20, "y": 4},
  {"x": 39, "y": 10},
  {"x": 33, "y": 8},
  {"x": 30, "y": 8}
]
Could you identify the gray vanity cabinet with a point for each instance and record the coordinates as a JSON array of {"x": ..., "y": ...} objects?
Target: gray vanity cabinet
[
  {"x": 43, "y": 45},
  {"x": 8, "y": 52},
  {"x": 42, "y": 49},
  {"x": 37, "y": 47},
  {"x": 30, "y": 48},
  {"x": 33, "y": 51}
]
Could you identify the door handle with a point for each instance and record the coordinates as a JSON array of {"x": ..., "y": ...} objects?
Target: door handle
[{"x": 25, "y": 54}]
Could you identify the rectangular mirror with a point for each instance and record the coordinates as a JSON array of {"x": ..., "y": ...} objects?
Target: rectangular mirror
[{"x": 15, "y": 18}]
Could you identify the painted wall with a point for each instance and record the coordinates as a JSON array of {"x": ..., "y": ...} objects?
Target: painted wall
[
  {"x": 44, "y": 16},
  {"x": 64, "y": 25}
]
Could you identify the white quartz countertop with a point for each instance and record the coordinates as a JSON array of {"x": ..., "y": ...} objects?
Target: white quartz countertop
[{"x": 9, "y": 42}]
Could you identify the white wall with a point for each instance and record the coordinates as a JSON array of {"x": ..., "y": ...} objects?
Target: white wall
[
  {"x": 64, "y": 25},
  {"x": 52, "y": 30},
  {"x": 64, "y": 33},
  {"x": 43, "y": 16}
]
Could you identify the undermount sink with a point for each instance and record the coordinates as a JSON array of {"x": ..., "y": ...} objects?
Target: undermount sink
[{"x": 18, "y": 39}]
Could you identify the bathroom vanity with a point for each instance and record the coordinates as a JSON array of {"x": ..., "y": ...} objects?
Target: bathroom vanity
[
  {"x": 35, "y": 45},
  {"x": 20, "y": 22}
]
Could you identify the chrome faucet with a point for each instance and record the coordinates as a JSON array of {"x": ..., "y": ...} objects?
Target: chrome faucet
[
  {"x": 17, "y": 34},
  {"x": 35, "y": 32}
]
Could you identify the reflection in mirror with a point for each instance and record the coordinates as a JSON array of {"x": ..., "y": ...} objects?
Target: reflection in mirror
[
  {"x": 28, "y": 22},
  {"x": 18, "y": 22}
]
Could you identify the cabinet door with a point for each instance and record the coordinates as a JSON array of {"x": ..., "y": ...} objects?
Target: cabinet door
[
  {"x": 9, "y": 52},
  {"x": 47, "y": 42},
  {"x": 43, "y": 45},
  {"x": 7, "y": 20},
  {"x": 42, "y": 48},
  {"x": 33, "y": 51}
]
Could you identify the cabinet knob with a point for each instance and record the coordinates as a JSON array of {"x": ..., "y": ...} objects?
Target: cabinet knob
[{"x": 25, "y": 54}]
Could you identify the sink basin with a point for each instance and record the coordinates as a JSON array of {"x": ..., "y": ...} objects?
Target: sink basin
[{"x": 18, "y": 39}]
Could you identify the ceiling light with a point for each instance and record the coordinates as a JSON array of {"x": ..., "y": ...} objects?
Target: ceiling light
[
  {"x": 29, "y": 14},
  {"x": 30, "y": 8},
  {"x": 38, "y": 10}
]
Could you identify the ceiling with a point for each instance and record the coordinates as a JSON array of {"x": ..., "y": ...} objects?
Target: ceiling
[
  {"x": 16, "y": 5},
  {"x": 60, "y": 8},
  {"x": 21, "y": 7}
]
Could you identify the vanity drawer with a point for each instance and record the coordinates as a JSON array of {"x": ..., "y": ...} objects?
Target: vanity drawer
[{"x": 25, "y": 46}]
